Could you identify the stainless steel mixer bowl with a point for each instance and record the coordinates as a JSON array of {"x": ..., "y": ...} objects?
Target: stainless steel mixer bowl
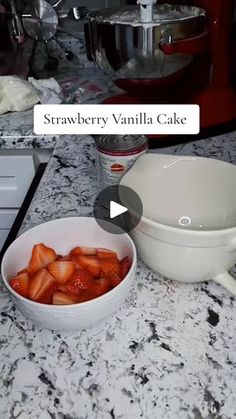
[{"x": 125, "y": 49}]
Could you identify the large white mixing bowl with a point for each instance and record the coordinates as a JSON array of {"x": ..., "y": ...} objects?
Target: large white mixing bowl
[{"x": 188, "y": 228}]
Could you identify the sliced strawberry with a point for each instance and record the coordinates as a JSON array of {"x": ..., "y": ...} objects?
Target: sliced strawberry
[
  {"x": 61, "y": 270},
  {"x": 80, "y": 280},
  {"x": 23, "y": 271},
  {"x": 100, "y": 286},
  {"x": 110, "y": 266},
  {"x": 41, "y": 286},
  {"x": 20, "y": 283},
  {"x": 125, "y": 265},
  {"x": 47, "y": 296},
  {"x": 90, "y": 263},
  {"x": 41, "y": 257},
  {"x": 114, "y": 280},
  {"x": 60, "y": 298},
  {"x": 85, "y": 251},
  {"x": 66, "y": 258},
  {"x": 106, "y": 254},
  {"x": 74, "y": 259},
  {"x": 85, "y": 296}
]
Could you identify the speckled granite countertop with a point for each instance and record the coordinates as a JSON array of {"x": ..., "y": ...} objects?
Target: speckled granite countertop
[{"x": 168, "y": 353}]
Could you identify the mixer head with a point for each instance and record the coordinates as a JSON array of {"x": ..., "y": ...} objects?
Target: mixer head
[{"x": 146, "y": 10}]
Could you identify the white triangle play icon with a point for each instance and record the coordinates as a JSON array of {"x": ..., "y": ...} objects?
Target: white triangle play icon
[{"x": 116, "y": 209}]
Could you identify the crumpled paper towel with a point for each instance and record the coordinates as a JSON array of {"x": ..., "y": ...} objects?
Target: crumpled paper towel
[
  {"x": 18, "y": 95},
  {"x": 49, "y": 90}
]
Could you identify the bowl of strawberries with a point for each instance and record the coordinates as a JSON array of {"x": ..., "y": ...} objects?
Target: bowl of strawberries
[{"x": 69, "y": 274}]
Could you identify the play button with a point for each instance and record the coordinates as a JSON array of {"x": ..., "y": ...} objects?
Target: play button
[
  {"x": 119, "y": 205},
  {"x": 116, "y": 209}
]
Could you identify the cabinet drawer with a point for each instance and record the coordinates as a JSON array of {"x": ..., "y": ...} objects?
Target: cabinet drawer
[
  {"x": 3, "y": 235},
  {"x": 16, "y": 175},
  {"x": 7, "y": 217}
]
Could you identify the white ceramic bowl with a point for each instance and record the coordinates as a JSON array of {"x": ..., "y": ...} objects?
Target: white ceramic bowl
[
  {"x": 188, "y": 229},
  {"x": 64, "y": 234}
]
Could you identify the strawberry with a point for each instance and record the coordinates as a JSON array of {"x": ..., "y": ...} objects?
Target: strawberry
[
  {"x": 114, "y": 280},
  {"x": 125, "y": 265},
  {"x": 66, "y": 258},
  {"x": 75, "y": 261},
  {"x": 110, "y": 266},
  {"x": 106, "y": 254},
  {"x": 20, "y": 283},
  {"x": 61, "y": 270},
  {"x": 23, "y": 271},
  {"x": 86, "y": 251},
  {"x": 60, "y": 298},
  {"x": 90, "y": 263},
  {"x": 85, "y": 296},
  {"x": 41, "y": 286},
  {"x": 41, "y": 257},
  {"x": 80, "y": 280},
  {"x": 100, "y": 286}
]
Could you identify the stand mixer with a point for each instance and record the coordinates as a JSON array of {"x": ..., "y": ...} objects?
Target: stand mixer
[{"x": 169, "y": 53}]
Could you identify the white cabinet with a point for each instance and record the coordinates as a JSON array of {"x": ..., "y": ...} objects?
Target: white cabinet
[
  {"x": 16, "y": 175},
  {"x": 17, "y": 171},
  {"x": 3, "y": 235},
  {"x": 7, "y": 217}
]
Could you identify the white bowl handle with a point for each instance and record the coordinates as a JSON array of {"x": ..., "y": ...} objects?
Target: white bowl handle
[{"x": 227, "y": 281}]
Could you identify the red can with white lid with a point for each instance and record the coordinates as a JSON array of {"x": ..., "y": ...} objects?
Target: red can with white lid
[{"x": 116, "y": 154}]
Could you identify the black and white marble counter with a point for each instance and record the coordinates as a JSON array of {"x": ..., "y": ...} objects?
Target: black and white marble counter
[
  {"x": 16, "y": 132},
  {"x": 168, "y": 353}
]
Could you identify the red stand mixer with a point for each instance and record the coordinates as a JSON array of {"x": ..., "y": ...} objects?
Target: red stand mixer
[{"x": 195, "y": 42}]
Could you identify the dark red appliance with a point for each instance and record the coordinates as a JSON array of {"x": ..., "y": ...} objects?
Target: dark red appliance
[{"x": 210, "y": 80}]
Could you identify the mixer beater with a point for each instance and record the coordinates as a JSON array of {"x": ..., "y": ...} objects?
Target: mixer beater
[{"x": 146, "y": 10}]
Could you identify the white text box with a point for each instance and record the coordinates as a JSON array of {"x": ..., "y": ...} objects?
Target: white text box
[{"x": 117, "y": 119}]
